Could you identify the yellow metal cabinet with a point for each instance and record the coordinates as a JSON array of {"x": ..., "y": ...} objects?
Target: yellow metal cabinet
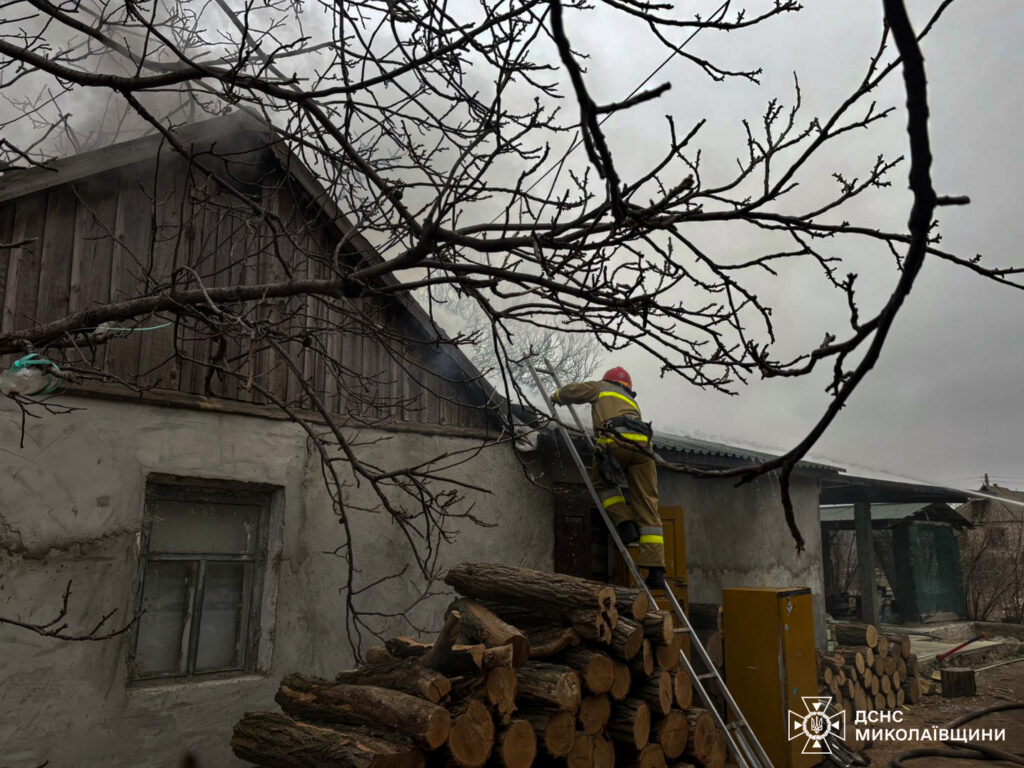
[{"x": 769, "y": 664}]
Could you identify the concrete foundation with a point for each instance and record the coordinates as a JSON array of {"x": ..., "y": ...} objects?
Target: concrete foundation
[{"x": 71, "y": 508}]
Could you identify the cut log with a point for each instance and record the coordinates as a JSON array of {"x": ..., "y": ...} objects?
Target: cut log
[
  {"x": 632, "y": 603},
  {"x": 827, "y": 675},
  {"x": 901, "y": 668},
  {"x": 667, "y": 655},
  {"x": 555, "y": 729},
  {"x": 378, "y": 655},
  {"x": 958, "y": 682},
  {"x": 705, "y": 616},
  {"x": 715, "y": 646},
  {"x": 860, "y": 658},
  {"x": 671, "y": 733},
  {"x": 594, "y": 713},
  {"x": 658, "y": 627},
  {"x": 553, "y": 593},
  {"x": 622, "y": 682},
  {"x": 500, "y": 691},
  {"x": 406, "y": 648},
  {"x": 405, "y": 676},
  {"x": 650, "y": 756},
  {"x": 886, "y": 685},
  {"x": 492, "y": 658},
  {"x": 890, "y": 699},
  {"x": 627, "y": 639},
  {"x": 551, "y": 641},
  {"x": 856, "y": 634},
  {"x": 517, "y": 745},
  {"x": 596, "y": 669},
  {"x": 879, "y": 664},
  {"x": 701, "y": 743},
  {"x": 630, "y": 723},
  {"x": 860, "y": 699},
  {"x": 471, "y": 738},
  {"x": 901, "y": 698},
  {"x": 904, "y": 643},
  {"x": 682, "y": 689},
  {"x": 591, "y": 624},
  {"x": 720, "y": 753},
  {"x": 912, "y": 689},
  {"x": 480, "y": 625},
  {"x": 425, "y": 723},
  {"x": 657, "y": 693},
  {"x": 897, "y": 681},
  {"x": 913, "y": 666},
  {"x": 581, "y": 755},
  {"x": 879, "y": 701},
  {"x": 277, "y": 741},
  {"x": 604, "y": 751},
  {"x": 643, "y": 663},
  {"x": 882, "y": 645},
  {"x": 876, "y": 685},
  {"x": 868, "y": 678},
  {"x": 890, "y": 666},
  {"x": 441, "y": 649},
  {"x": 553, "y": 684}
]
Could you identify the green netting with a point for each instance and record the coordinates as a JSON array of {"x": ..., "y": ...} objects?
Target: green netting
[{"x": 929, "y": 579}]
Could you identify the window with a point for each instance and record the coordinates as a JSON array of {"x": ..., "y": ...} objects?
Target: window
[{"x": 201, "y": 563}]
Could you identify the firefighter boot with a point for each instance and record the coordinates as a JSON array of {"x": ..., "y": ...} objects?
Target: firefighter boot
[
  {"x": 656, "y": 578},
  {"x": 629, "y": 532}
]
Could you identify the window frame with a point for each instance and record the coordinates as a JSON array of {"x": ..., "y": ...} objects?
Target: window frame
[{"x": 194, "y": 490}]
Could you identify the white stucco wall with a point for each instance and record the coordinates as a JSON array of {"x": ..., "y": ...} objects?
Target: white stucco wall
[
  {"x": 71, "y": 507},
  {"x": 736, "y": 536}
]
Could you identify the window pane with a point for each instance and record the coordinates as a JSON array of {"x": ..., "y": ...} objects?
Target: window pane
[
  {"x": 204, "y": 527},
  {"x": 222, "y": 622},
  {"x": 167, "y": 596}
]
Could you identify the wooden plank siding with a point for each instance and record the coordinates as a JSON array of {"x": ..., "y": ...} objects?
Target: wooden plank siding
[{"x": 129, "y": 231}]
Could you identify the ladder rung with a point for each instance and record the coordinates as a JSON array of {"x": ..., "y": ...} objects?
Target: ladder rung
[{"x": 706, "y": 676}]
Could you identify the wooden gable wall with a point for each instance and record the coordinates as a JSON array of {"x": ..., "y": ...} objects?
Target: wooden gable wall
[{"x": 123, "y": 232}]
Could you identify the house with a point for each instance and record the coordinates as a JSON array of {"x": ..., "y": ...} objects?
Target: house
[
  {"x": 917, "y": 552},
  {"x": 179, "y": 486},
  {"x": 185, "y": 492},
  {"x": 993, "y": 554}
]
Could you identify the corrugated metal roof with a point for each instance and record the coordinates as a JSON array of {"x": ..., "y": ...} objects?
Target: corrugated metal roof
[
  {"x": 697, "y": 446},
  {"x": 844, "y": 512}
]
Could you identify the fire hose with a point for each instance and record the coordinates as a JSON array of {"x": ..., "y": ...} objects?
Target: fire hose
[{"x": 965, "y": 750}]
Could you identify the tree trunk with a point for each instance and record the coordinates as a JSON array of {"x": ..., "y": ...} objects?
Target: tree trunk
[
  {"x": 596, "y": 669},
  {"x": 500, "y": 690},
  {"x": 633, "y": 603},
  {"x": 555, "y": 729},
  {"x": 856, "y": 634},
  {"x": 405, "y": 676},
  {"x": 480, "y": 625},
  {"x": 658, "y": 627},
  {"x": 958, "y": 682},
  {"x": 682, "y": 689},
  {"x": 701, "y": 743},
  {"x": 553, "y": 593},
  {"x": 912, "y": 689},
  {"x": 671, "y": 733},
  {"x": 622, "y": 682},
  {"x": 552, "y": 684},
  {"x": 594, "y": 713},
  {"x": 627, "y": 639},
  {"x": 591, "y": 625},
  {"x": 643, "y": 663},
  {"x": 548, "y": 642},
  {"x": 657, "y": 693},
  {"x": 471, "y": 738},
  {"x": 581, "y": 755},
  {"x": 604, "y": 751},
  {"x": 425, "y": 723},
  {"x": 630, "y": 723},
  {"x": 516, "y": 745},
  {"x": 276, "y": 741}
]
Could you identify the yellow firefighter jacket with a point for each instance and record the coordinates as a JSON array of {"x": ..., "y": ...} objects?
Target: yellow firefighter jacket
[{"x": 607, "y": 401}]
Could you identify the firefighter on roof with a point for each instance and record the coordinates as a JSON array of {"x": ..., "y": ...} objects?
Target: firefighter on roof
[{"x": 623, "y": 459}]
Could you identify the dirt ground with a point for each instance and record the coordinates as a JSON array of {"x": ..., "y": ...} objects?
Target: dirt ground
[{"x": 997, "y": 685}]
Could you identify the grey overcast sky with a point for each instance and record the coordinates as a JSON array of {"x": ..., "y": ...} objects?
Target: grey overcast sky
[{"x": 943, "y": 404}]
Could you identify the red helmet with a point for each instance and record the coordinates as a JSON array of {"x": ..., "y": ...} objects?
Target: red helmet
[{"x": 619, "y": 376}]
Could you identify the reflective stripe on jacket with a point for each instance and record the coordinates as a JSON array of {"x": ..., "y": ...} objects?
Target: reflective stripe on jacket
[{"x": 606, "y": 400}]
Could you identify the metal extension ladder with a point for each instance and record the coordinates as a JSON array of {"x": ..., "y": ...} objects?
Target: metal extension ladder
[{"x": 743, "y": 744}]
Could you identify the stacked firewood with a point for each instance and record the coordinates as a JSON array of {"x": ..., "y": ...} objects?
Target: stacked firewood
[
  {"x": 869, "y": 671},
  {"x": 529, "y": 668}
]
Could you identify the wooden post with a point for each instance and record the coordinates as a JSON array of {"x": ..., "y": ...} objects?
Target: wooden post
[{"x": 866, "y": 562}]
